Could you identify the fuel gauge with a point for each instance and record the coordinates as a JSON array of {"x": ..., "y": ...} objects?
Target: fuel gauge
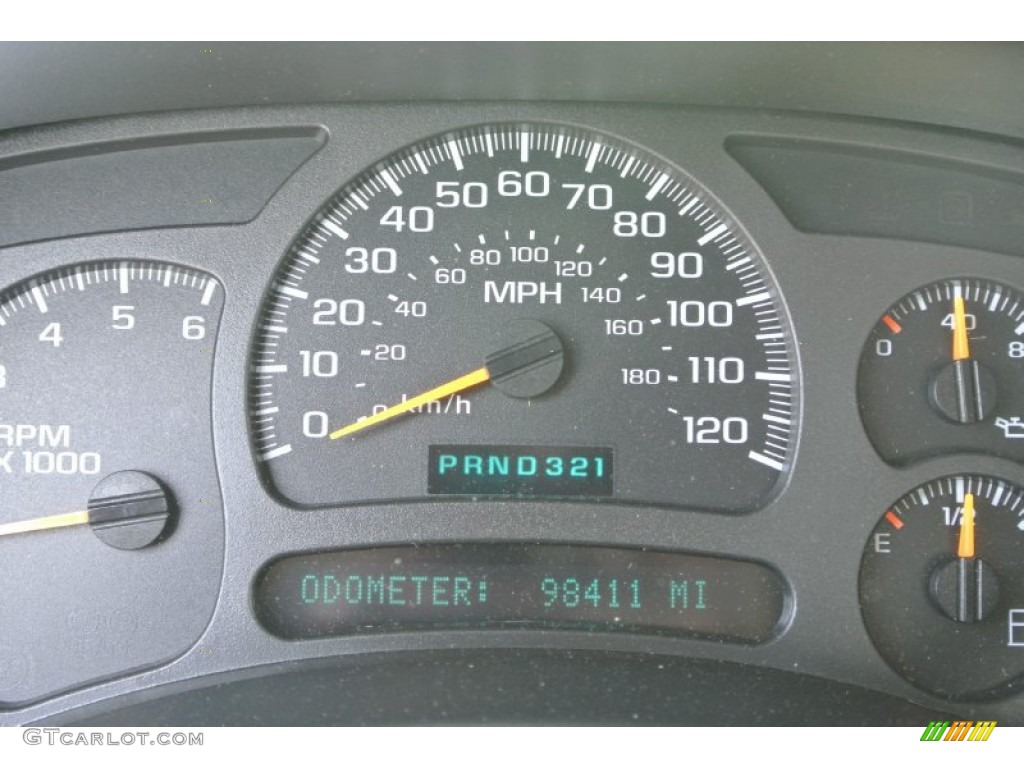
[
  {"x": 943, "y": 372},
  {"x": 942, "y": 586}
]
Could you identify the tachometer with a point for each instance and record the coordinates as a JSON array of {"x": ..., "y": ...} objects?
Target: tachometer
[
  {"x": 111, "y": 530},
  {"x": 519, "y": 311}
]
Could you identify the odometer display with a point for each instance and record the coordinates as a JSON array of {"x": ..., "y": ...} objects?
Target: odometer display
[
  {"x": 524, "y": 285},
  {"x": 515, "y": 586}
]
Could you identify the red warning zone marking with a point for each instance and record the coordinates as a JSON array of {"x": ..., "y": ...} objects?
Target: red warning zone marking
[
  {"x": 894, "y": 519},
  {"x": 891, "y": 322}
]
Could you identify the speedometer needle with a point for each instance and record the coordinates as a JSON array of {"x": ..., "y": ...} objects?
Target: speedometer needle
[
  {"x": 528, "y": 363},
  {"x": 462, "y": 383}
]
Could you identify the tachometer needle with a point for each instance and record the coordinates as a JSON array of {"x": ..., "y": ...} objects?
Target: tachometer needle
[
  {"x": 965, "y": 549},
  {"x": 462, "y": 383},
  {"x": 127, "y": 510},
  {"x": 65, "y": 520}
]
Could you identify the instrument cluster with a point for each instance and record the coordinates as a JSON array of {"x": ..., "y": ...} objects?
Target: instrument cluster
[{"x": 578, "y": 376}]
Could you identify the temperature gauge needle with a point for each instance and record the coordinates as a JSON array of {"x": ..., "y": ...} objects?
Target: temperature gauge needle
[
  {"x": 528, "y": 363},
  {"x": 65, "y": 520},
  {"x": 461, "y": 384}
]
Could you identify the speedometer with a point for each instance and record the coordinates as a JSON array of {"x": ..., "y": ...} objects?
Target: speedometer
[{"x": 524, "y": 311}]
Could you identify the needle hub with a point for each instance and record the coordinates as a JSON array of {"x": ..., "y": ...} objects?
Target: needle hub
[
  {"x": 966, "y": 590},
  {"x": 129, "y": 510},
  {"x": 963, "y": 392},
  {"x": 529, "y": 361}
]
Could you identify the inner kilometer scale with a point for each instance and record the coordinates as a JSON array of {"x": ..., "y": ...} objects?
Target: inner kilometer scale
[{"x": 524, "y": 311}]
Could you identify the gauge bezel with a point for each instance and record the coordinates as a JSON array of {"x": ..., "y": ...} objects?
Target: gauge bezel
[{"x": 418, "y": 156}]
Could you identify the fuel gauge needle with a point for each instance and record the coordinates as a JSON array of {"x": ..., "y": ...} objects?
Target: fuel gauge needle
[
  {"x": 970, "y": 570},
  {"x": 64, "y": 520},
  {"x": 965, "y": 549}
]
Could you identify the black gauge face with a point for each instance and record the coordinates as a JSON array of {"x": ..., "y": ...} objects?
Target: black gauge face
[
  {"x": 524, "y": 311},
  {"x": 109, "y": 499},
  {"x": 943, "y": 372},
  {"x": 942, "y": 586}
]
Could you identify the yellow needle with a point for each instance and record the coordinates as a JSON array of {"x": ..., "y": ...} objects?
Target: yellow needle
[
  {"x": 966, "y": 548},
  {"x": 45, "y": 523},
  {"x": 471, "y": 379},
  {"x": 961, "y": 346}
]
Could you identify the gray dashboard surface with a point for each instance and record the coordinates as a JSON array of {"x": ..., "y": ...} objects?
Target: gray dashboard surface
[
  {"x": 902, "y": 195},
  {"x": 178, "y": 180},
  {"x": 835, "y": 288},
  {"x": 542, "y": 687},
  {"x": 975, "y": 86}
]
